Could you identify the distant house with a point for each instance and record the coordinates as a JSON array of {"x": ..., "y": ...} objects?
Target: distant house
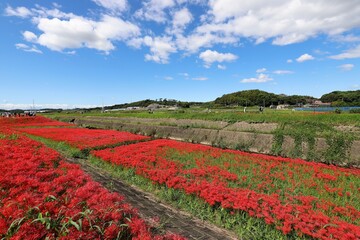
[
  {"x": 133, "y": 108},
  {"x": 272, "y": 106},
  {"x": 282, "y": 106},
  {"x": 153, "y": 106},
  {"x": 321, "y": 104}
]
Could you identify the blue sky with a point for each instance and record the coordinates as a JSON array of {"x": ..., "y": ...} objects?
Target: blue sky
[{"x": 85, "y": 53}]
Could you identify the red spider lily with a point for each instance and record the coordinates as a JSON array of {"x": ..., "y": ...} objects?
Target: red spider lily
[
  {"x": 30, "y": 121},
  {"x": 292, "y": 194},
  {"x": 42, "y": 196},
  {"x": 84, "y": 138}
]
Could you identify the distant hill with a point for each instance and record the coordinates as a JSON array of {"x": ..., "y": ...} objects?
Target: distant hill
[
  {"x": 342, "y": 98},
  {"x": 242, "y": 98},
  {"x": 161, "y": 101},
  {"x": 258, "y": 97}
]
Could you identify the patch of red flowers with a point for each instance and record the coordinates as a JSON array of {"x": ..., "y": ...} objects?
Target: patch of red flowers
[
  {"x": 84, "y": 138},
  {"x": 312, "y": 199},
  {"x": 44, "y": 197},
  {"x": 26, "y": 121}
]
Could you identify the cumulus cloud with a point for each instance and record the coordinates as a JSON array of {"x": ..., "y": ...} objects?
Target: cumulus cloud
[
  {"x": 160, "y": 48},
  {"x": 79, "y": 32},
  {"x": 22, "y": 12},
  {"x": 29, "y": 36},
  {"x": 60, "y": 31},
  {"x": 195, "y": 41},
  {"x": 305, "y": 57},
  {"x": 182, "y": 17},
  {"x": 113, "y": 5},
  {"x": 209, "y": 57},
  {"x": 346, "y": 67},
  {"x": 260, "y": 78},
  {"x": 283, "y": 21},
  {"x": 154, "y": 10},
  {"x": 27, "y": 48},
  {"x": 180, "y": 21},
  {"x": 213, "y": 23},
  {"x": 351, "y": 53}
]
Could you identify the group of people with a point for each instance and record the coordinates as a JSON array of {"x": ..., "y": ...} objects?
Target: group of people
[{"x": 25, "y": 114}]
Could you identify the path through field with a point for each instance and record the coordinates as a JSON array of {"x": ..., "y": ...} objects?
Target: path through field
[{"x": 149, "y": 207}]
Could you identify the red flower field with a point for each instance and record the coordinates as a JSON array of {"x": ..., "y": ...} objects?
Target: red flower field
[
  {"x": 43, "y": 194},
  {"x": 312, "y": 199},
  {"x": 84, "y": 138},
  {"x": 44, "y": 197},
  {"x": 30, "y": 122}
]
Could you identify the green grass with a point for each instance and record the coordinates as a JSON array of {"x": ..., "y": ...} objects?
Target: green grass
[{"x": 230, "y": 115}]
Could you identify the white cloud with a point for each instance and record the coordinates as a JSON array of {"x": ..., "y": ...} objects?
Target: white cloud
[
  {"x": 11, "y": 106},
  {"x": 305, "y": 57},
  {"x": 80, "y": 32},
  {"x": 113, "y": 5},
  {"x": 351, "y": 53},
  {"x": 260, "y": 78},
  {"x": 209, "y": 57},
  {"x": 27, "y": 48},
  {"x": 346, "y": 38},
  {"x": 261, "y": 70},
  {"x": 160, "y": 48},
  {"x": 60, "y": 31},
  {"x": 221, "y": 67},
  {"x": 168, "y": 78},
  {"x": 346, "y": 67},
  {"x": 22, "y": 12},
  {"x": 182, "y": 17},
  {"x": 283, "y": 21},
  {"x": 282, "y": 72},
  {"x": 289, "y": 61},
  {"x": 195, "y": 41},
  {"x": 200, "y": 78},
  {"x": 154, "y": 10},
  {"x": 29, "y": 36}
]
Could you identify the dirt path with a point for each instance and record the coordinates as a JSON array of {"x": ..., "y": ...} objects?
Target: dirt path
[{"x": 149, "y": 207}]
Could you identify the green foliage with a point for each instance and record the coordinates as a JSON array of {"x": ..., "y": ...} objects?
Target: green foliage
[
  {"x": 339, "y": 144},
  {"x": 356, "y": 110},
  {"x": 12, "y": 136},
  {"x": 344, "y": 98},
  {"x": 161, "y": 101},
  {"x": 258, "y": 97},
  {"x": 278, "y": 140},
  {"x": 337, "y": 111}
]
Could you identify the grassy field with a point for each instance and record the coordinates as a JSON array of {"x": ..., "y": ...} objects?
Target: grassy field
[{"x": 231, "y": 115}]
